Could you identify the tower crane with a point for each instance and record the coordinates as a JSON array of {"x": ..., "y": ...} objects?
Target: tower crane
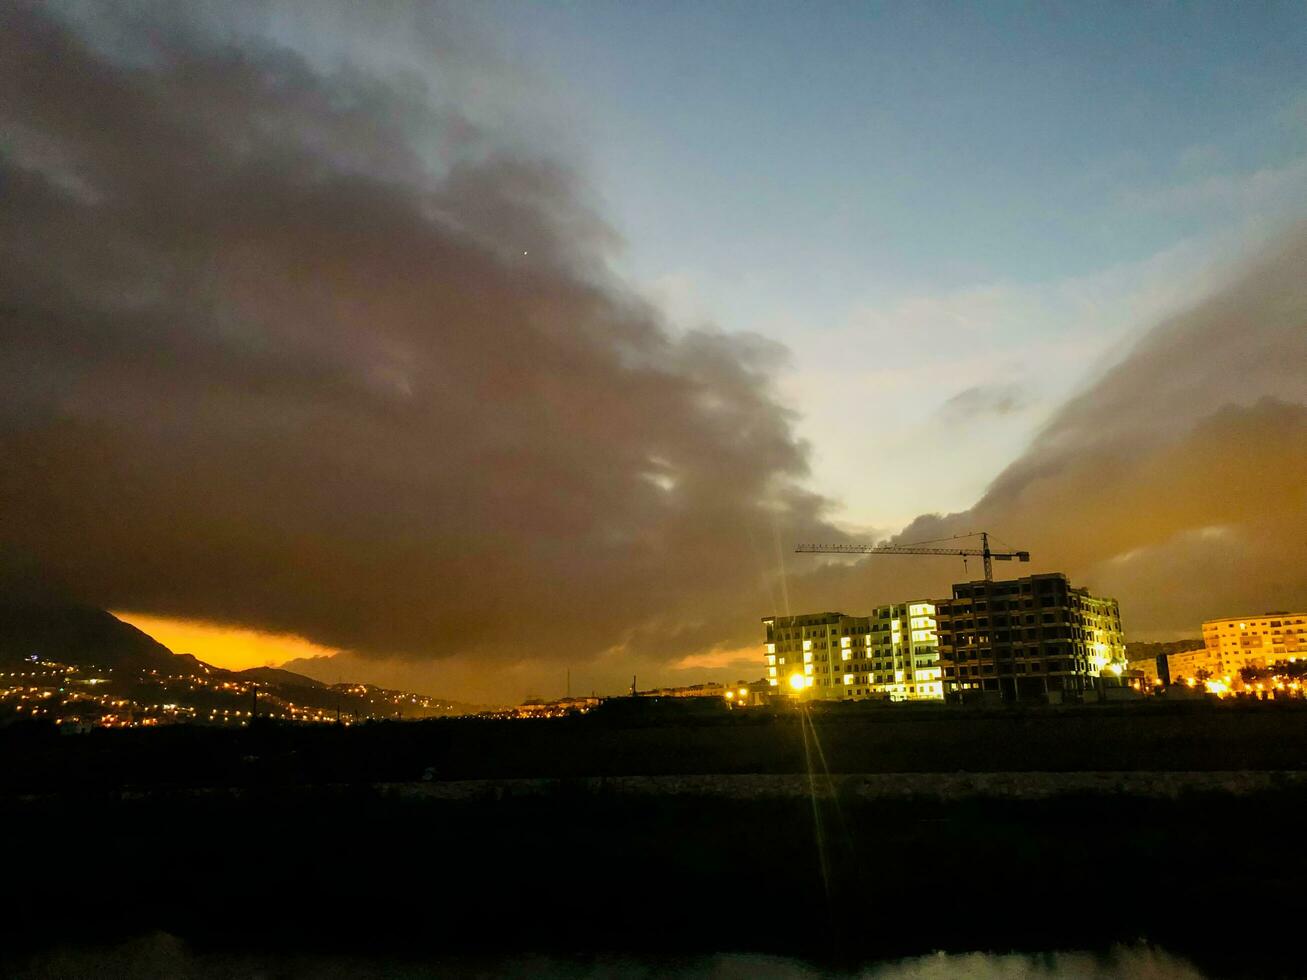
[{"x": 916, "y": 549}]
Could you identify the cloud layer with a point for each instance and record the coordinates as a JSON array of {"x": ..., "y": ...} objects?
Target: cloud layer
[
  {"x": 291, "y": 344},
  {"x": 267, "y": 363},
  {"x": 1178, "y": 480},
  {"x": 976, "y": 403}
]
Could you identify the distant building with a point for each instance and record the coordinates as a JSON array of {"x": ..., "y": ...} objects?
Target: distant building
[
  {"x": 536, "y": 707},
  {"x": 1190, "y": 665},
  {"x": 1030, "y": 638},
  {"x": 709, "y": 690},
  {"x": 1155, "y": 671},
  {"x": 745, "y": 694},
  {"x": 891, "y": 653},
  {"x": 1229, "y": 645},
  {"x": 1252, "y": 641}
]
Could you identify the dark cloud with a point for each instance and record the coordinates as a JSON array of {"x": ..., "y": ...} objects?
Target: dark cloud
[
  {"x": 978, "y": 401},
  {"x": 1178, "y": 481},
  {"x": 265, "y": 363}
]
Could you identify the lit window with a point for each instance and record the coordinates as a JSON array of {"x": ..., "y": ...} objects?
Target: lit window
[{"x": 848, "y": 678}]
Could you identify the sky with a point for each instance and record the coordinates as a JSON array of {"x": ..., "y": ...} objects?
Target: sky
[
  {"x": 987, "y": 200},
  {"x": 459, "y": 346}
]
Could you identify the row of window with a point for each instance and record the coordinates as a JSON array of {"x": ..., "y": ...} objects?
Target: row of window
[
  {"x": 1087, "y": 606},
  {"x": 1273, "y": 624},
  {"x": 996, "y": 653},
  {"x": 1020, "y": 667},
  {"x": 1028, "y": 635}
]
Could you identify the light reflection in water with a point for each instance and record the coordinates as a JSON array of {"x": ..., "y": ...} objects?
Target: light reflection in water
[{"x": 166, "y": 956}]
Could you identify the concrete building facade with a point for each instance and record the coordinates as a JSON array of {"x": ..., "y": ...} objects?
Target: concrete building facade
[
  {"x": 1030, "y": 638},
  {"x": 1255, "y": 641},
  {"x": 1192, "y": 665},
  {"x": 1231, "y": 644},
  {"x": 891, "y": 653}
]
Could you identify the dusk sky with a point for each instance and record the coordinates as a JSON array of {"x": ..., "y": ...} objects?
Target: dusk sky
[
  {"x": 935, "y": 208},
  {"x": 486, "y": 341}
]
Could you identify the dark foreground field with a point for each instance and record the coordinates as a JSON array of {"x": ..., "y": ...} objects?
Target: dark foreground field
[{"x": 332, "y": 842}]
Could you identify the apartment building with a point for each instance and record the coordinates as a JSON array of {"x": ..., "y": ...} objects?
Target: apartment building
[
  {"x": 1256, "y": 641},
  {"x": 1231, "y": 644},
  {"x": 892, "y": 652}
]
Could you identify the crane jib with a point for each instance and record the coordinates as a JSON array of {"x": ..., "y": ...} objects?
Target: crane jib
[{"x": 892, "y": 549}]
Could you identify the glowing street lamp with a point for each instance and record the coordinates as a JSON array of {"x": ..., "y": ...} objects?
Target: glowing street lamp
[{"x": 797, "y": 682}]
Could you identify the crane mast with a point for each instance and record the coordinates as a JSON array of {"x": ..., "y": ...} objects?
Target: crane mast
[{"x": 984, "y": 551}]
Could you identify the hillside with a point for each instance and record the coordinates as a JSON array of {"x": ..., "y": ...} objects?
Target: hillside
[
  {"x": 152, "y": 685},
  {"x": 1147, "y": 651},
  {"x": 275, "y": 675},
  {"x": 79, "y": 635}
]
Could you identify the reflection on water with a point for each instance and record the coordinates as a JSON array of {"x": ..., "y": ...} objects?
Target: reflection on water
[{"x": 165, "y": 956}]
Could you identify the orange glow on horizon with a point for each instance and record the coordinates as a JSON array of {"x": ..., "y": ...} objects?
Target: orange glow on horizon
[
  {"x": 716, "y": 659},
  {"x": 230, "y": 647}
]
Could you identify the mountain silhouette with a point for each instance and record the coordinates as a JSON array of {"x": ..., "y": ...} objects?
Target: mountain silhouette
[{"x": 71, "y": 633}]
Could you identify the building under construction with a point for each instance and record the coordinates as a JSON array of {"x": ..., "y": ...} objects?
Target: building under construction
[{"x": 1032, "y": 638}]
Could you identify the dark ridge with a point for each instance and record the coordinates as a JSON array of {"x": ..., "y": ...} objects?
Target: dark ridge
[
  {"x": 80, "y": 635},
  {"x": 275, "y": 675}
]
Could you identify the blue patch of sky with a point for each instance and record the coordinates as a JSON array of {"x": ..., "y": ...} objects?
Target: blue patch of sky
[{"x": 915, "y": 144}]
